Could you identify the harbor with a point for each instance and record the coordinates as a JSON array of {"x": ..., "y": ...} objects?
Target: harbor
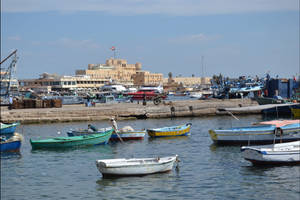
[
  {"x": 205, "y": 169},
  {"x": 150, "y": 100}
]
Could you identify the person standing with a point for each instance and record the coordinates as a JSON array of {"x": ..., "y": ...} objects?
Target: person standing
[
  {"x": 114, "y": 124},
  {"x": 10, "y": 102},
  {"x": 115, "y": 127}
]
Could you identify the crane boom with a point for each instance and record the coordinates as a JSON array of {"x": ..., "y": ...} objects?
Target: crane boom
[{"x": 14, "y": 52}]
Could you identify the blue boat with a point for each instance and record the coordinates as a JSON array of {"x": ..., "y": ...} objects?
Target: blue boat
[
  {"x": 266, "y": 132},
  {"x": 12, "y": 144},
  {"x": 7, "y": 129}
]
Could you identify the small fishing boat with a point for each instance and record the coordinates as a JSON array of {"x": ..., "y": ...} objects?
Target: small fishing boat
[
  {"x": 267, "y": 100},
  {"x": 8, "y": 128},
  {"x": 65, "y": 142},
  {"x": 128, "y": 133},
  {"x": 275, "y": 154},
  {"x": 81, "y": 132},
  {"x": 135, "y": 166},
  {"x": 280, "y": 109},
  {"x": 284, "y": 126},
  {"x": 11, "y": 144},
  {"x": 170, "y": 131},
  {"x": 261, "y": 133}
]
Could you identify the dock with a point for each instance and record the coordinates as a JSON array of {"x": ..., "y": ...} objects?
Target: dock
[
  {"x": 255, "y": 108},
  {"x": 167, "y": 109}
]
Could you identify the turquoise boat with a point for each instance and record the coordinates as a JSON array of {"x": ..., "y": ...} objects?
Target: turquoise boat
[
  {"x": 181, "y": 130},
  {"x": 8, "y": 129},
  {"x": 72, "y": 133},
  {"x": 75, "y": 141}
]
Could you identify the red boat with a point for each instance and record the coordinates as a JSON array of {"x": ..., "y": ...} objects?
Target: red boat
[{"x": 147, "y": 95}]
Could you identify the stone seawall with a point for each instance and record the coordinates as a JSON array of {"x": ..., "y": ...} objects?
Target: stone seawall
[{"x": 69, "y": 113}]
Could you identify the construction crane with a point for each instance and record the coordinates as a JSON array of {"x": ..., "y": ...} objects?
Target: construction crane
[{"x": 7, "y": 75}]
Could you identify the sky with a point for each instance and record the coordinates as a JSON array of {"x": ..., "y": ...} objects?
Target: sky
[{"x": 185, "y": 37}]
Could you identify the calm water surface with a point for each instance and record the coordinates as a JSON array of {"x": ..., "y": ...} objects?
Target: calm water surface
[{"x": 206, "y": 171}]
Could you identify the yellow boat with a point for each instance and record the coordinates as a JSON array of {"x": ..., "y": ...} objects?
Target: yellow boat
[{"x": 170, "y": 131}]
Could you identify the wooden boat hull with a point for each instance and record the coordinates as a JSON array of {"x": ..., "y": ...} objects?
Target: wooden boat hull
[
  {"x": 66, "y": 142},
  {"x": 7, "y": 129},
  {"x": 181, "y": 130},
  {"x": 10, "y": 146},
  {"x": 278, "y": 110},
  {"x": 267, "y": 100},
  {"x": 72, "y": 133},
  {"x": 135, "y": 167},
  {"x": 129, "y": 135},
  {"x": 278, "y": 154},
  {"x": 255, "y": 135}
]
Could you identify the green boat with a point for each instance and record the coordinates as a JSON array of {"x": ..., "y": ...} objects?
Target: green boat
[{"x": 65, "y": 142}]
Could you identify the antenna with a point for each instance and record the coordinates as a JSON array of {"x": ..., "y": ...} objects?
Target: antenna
[
  {"x": 202, "y": 61},
  {"x": 113, "y": 48}
]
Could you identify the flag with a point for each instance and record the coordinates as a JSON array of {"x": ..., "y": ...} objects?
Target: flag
[{"x": 113, "y": 48}]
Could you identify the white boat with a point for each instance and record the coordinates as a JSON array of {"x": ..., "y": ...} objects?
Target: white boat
[
  {"x": 158, "y": 89},
  {"x": 115, "y": 88},
  {"x": 135, "y": 166},
  {"x": 280, "y": 153},
  {"x": 196, "y": 95}
]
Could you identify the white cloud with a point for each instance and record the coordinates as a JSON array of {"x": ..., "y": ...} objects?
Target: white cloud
[
  {"x": 195, "y": 38},
  {"x": 15, "y": 38},
  {"x": 70, "y": 43},
  {"x": 138, "y": 7}
]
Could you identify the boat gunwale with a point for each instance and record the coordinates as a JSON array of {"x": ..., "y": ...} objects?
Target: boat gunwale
[{"x": 58, "y": 140}]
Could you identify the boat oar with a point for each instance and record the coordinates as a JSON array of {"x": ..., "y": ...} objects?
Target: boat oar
[
  {"x": 232, "y": 115},
  {"x": 116, "y": 131}
]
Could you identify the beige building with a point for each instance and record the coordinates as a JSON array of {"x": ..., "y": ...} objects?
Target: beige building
[
  {"x": 119, "y": 71},
  {"x": 147, "y": 78},
  {"x": 188, "y": 81},
  {"x": 97, "y": 75},
  {"x": 49, "y": 82}
]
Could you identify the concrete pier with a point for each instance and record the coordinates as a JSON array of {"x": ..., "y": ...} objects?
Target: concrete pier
[{"x": 69, "y": 113}]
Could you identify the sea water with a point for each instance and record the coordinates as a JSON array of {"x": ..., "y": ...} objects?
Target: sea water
[{"x": 206, "y": 171}]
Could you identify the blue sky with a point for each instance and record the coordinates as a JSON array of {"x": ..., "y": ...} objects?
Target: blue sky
[{"x": 234, "y": 37}]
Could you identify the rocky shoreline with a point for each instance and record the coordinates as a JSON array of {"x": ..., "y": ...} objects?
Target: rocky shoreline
[{"x": 71, "y": 113}]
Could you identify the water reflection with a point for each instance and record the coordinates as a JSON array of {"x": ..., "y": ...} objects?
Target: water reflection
[
  {"x": 10, "y": 155},
  {"x": 152, "y": 139},
  {"x": 82, "y": 149}
]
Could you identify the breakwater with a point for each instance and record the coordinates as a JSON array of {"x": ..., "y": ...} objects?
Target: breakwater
[{"x": 70, "y": 113}]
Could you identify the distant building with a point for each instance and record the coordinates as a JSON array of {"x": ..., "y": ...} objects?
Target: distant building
[
  {"x": 97, "y": 75},
  {"x": 52, "y": 82},
  {"x": 147, "y": 78},
  {"x": 119, "y": 71},
  {"x": 188, "y": 81}
]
